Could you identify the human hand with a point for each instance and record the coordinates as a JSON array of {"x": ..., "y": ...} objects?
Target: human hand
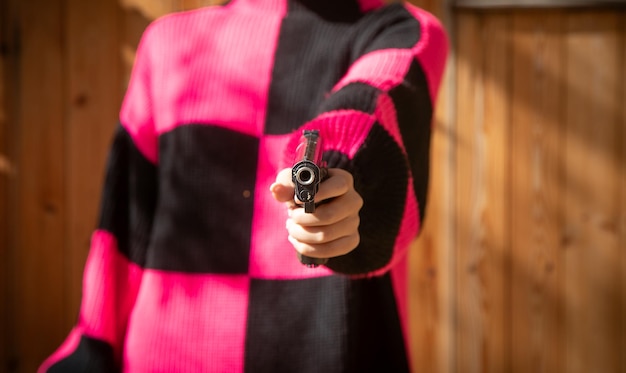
[{"x": 333, "y": 229}]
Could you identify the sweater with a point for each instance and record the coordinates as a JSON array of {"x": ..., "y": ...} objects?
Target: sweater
[{"x": 189, "y": 268}]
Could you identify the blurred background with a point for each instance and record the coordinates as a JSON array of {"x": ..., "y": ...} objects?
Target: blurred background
[{"x": 521, "y": 265}]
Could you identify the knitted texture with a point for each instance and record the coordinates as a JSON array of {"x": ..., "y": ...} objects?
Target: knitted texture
[{"x": 190, "y": 269}]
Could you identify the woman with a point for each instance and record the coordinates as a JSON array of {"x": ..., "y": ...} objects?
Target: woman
[{"x": 192, "y": 267}]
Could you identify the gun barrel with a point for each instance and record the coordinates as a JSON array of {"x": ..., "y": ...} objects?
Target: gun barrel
[{"x": 306, "y": 175}]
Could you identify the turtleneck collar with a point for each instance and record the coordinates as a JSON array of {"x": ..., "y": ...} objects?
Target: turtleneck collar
[
  {"x": 334, "y": 10},
  {"x": 329, "y": 9}
]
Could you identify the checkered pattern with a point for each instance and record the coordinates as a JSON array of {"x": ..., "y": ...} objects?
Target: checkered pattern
[{"x": 190, "y": 269}]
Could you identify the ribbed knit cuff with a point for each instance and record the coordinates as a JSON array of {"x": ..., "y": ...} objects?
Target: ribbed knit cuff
[{"x": 341, "y": 131}]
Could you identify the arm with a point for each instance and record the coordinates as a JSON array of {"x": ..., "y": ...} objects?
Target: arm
[{"x": 376, "y": 125}]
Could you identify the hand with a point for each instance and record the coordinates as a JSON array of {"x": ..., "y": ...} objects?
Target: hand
[{"x": 333, "y": 229}]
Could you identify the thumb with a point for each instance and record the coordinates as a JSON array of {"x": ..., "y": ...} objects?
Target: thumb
[{"x": 282, "y": 189}]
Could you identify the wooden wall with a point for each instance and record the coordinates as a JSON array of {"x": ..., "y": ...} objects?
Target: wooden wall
[{"x": 522, "y": 263}]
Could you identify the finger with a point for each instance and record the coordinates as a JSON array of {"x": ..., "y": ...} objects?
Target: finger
[
  {"x": 323, "y": 234},
  {"x": 282, "y": 189},
  {"x": 330, "y": 212},
  {"x": 338, "y": 247},
  {"x": 338, "y": 182}
]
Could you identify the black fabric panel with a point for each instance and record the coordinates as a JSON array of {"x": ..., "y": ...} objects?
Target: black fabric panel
[
  {"x": 387, "y": 28},
  {"x": 380, "y": 173},
  {"x": 336, "y": 159},
  {"x": 129, "y": 197},
  {"x": 204, "y": 216},
  {"x": 313, "y": 54},
  {"x": 415, "y": 122},
  {"x": 329, "y": 10},
  {"x": 300, "y": 326},
  {"x": 91, "y": 356},
  {"x": 355, "y": 96},
  {"x": 295, "y": 326},
  {"x": 307, "y": 66},
  {"x": 376, "y": 342}
]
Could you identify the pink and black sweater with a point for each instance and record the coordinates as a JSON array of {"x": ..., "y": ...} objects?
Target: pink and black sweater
[{"x": 190, "y": 269}]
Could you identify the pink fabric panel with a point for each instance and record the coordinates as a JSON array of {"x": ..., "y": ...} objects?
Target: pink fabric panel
[
  {"x": 69, "y": 345},
  {"x": 383, "y": 69},
  {"x": 342, "y": 130},
  {"x": 271, "y": 254},
  {"x": 110, "y": 286},
  {"x": 399, "y": 278},
  {"x": 410, "y": 221},
  {"x": 432, "y": 49},
  {"x": 273, "y": 5},
  {"x": 387, "y": 117},
  {"x": 223, "y": 95},
  {"x": 159, "y": 96},
  {"x": 171, "y": 330}
]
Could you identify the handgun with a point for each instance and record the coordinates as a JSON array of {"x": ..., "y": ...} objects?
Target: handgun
[{"x": 307, "y": 173}]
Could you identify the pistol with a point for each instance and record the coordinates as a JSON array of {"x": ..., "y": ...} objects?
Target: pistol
[{"x": 307, "y": 173}]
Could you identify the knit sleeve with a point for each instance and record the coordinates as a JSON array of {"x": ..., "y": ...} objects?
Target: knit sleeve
[
  {"x": 116, "y": 258},
  {"x": 376, "y": 123}
]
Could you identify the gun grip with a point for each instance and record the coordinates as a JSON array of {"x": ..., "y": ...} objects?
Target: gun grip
[{"x": 311, "y": 262}]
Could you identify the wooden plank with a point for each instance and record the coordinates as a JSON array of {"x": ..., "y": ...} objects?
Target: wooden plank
[
  {"x": 537, "y": 181},
  {"x": 538, "y": 3},
  {"x": 592, "y": 252},
  {"x": 4, "y": 169},
  {"x": 482, "y": 199},
  {"x": 423, "y": 306},
  {"x": 468, "y": 250},
  {"x": 152, "y": 9},
  {"x": 496, "y": 189},
  {"x": 436, "y": 7},
  {"x": 193, "y": 4},
  {"x": 94, "y": 85},
  {"x": 9, "y": 21},
  {"x": 134, "y": 24},
  {"x": 622, "y": 188},
  {"x": 38, "y": 267},
  {"x": 3, "y": 193}
]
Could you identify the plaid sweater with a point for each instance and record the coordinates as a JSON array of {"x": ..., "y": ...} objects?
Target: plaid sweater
[{"x": 190, "y": 269}]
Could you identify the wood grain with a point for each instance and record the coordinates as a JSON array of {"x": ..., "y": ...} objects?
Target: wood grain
[
  {"x": 469, "y": 199},
  {"x": 497, "y": 189},
  {"x": 622, "y": 243},
  {"x": 592, "y": 166},
  {"x": 536, "y": 165},
  {"x": 482, "y": 200},
  {"x": 4, "y": 162},
  {"x": 622, "y": 188},
  {"x": 39, "y": 252}
]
